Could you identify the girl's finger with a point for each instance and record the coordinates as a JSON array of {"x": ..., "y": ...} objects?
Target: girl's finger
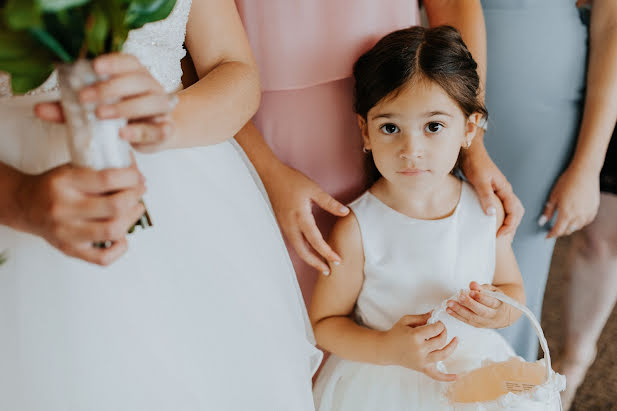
[
  {"x": 485, "y": 300},
  {"x": 106, "y": 181},
  {"x": 438, "y": 375},
  {"x": 476, "y": 307},
  {"x": 116, "y": 63},
  {"x": 437, "y": 342},
  {"x": 114, "y": 229},
  {"x": 309, "y": 229},
  {"x": 299, "y": 244},
  {"x": 328, "y": 203},
  {"x": 49, "y": 111},
  {"x": 143, "y": 133},
  {"x": 463, "y": 312},
  {"x": 140, "y": 107},
  {"x": 514, "y": 214},
  {"x": 443, "y": 353},
  {"x": 121, "y": 86}
]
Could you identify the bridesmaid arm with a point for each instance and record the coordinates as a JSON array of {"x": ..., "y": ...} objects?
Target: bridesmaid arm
[
  {"x": 600, "y": 112},
  {"x": 467, "y": 17},
  {"x": 10, "y": 180},
  {"x": 227, "y": 94}
]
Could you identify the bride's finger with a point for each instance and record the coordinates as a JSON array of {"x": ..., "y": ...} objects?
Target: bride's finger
[
  {"x": 121, "y": 86},
  {"x": 146, "y": 106},
  {"x": 50, "y": 111},
  {"x": 116, "y": 63},
  {"x": 147, "y": 133}
]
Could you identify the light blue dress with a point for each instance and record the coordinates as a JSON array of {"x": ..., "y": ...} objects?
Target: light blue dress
[{"x": 537, "y": 53}]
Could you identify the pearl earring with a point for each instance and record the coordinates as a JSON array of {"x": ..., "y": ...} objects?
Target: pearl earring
[{"x": 366, "y": 150}]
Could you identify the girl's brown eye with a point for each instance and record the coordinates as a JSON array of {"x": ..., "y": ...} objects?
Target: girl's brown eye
[
  {"x": 389, "y": 128},
  {"x": 433, "y": 127}
]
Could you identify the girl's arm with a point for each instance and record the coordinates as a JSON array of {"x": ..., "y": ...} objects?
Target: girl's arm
[
  {"x": 410, "y": 343},
  {"x": 480, "y": 310},
  {"x": 576, "y": 195}
]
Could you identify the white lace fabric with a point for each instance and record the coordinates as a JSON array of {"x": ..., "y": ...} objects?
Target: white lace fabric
[{"x": 158, "y": 46}]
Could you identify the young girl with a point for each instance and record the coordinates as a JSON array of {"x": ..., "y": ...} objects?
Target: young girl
[{"x": 414, "y": 239}]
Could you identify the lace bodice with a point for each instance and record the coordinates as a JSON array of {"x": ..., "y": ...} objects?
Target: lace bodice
[{"x": 158, "y": 45}]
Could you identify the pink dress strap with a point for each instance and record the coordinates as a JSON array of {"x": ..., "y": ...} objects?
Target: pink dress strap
[{"x": 302, "y": 43}]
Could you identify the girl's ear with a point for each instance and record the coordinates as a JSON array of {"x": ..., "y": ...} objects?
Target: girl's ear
[
  {"x": 363, "y": 124},
  {"x": 471, "y": 128}
]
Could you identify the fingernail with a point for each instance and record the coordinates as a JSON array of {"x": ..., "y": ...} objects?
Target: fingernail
[
  {"x": 106, "y": 111},
  {"x": 542, "y": 220},
  {"x": 344, "y": 209},
  {"x": 326, "y": 272},
  {"x": 336, "y": 262},
  {"x": 473, "y": 294},
  {"x": 491, "y": 211},
  {"x": 450, "y": 304},
  {"x": 449, "y": 311}
]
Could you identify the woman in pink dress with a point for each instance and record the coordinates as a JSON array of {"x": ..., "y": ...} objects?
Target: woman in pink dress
[{"x": 304, "y": 140}]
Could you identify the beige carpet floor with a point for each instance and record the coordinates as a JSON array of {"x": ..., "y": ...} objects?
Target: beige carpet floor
[{"x": 599, "y": 391}]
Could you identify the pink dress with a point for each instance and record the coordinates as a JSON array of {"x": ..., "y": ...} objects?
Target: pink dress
[{"x": 305, "y": 50}]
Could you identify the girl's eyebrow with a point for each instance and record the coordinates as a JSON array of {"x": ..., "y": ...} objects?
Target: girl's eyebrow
[
  {"x": 383, "y": 115},
  {"x": 436, "y": 113}
]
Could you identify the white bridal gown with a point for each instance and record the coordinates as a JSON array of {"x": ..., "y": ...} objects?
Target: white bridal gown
[{"x": 202, "y": 313}]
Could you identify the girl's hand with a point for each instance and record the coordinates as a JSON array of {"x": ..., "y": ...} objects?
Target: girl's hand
[
  {"x": 480, "y": 310},
  {"x": 72, "y": 208},
  {"x": 292, "y": 199},
  {"x": 575, "y": 198},
  {"x": 488, "y": 181},
  {"x": 129, "y": 92},
  {"x": 413, "y": 344}
]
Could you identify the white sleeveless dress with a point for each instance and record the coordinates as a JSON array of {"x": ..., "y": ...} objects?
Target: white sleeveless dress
[
  {"x": 411, "y": 267},
  {"x": 202, "y": 313}
]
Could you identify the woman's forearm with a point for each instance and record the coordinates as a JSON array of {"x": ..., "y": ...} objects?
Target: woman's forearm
[
  {"x": 258, "y": 151},
  {"x": 216, "y": 107},
  {"x": 346, "y": 339},
  {"x": 600, "y": 112}
]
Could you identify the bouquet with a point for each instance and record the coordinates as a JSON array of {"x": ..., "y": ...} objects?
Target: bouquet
[{"x": 39, "y": 36}]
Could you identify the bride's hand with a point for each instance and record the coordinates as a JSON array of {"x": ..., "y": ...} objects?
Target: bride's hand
[
  {"x": 136, "y": 96},
  {"x": 292, "y": 199},
  {"x": 72, "y": 208}
]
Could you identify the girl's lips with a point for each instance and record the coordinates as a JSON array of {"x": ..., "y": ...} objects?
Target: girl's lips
[{"x": 411, "y": 171}]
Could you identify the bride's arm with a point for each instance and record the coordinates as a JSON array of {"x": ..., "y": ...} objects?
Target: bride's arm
[{"x": 227, "y": 94}]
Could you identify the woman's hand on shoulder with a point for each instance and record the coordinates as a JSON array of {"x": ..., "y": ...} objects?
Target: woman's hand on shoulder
[
  {"x": 292, "y": 199},
  {"x": 130, "y": 92}
]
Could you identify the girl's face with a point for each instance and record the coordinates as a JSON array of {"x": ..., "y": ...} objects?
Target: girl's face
[{"x": 416, "y": 135}]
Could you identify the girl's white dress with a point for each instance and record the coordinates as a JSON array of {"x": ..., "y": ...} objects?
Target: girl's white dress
[
  {"x": 411, "y": 267},
  {"x": 202, "y": 313}
]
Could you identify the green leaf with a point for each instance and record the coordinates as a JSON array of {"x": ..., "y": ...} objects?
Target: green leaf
[
  {"x": 141, "y": 12},
  {"x": 96, "y": 33},
  {"x": 22, "y": 14},
  {"x": 68, "y": 28},
  {"x": 51, "y": 43},
  {"x": 51, "y": 6}
]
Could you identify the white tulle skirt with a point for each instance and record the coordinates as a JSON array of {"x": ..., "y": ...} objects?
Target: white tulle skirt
[
  {"x": 351, "y": 386},
  {"x": 202, "y": 313}
]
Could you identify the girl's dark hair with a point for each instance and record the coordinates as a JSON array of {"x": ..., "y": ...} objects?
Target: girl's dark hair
[{"x": 437, "y": 54}]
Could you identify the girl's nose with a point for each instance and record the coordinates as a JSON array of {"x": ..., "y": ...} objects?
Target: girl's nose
[{"x": 412, "y": 148}]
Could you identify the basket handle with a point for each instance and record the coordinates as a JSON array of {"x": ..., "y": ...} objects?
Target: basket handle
[{"x": 534, "y": 321}]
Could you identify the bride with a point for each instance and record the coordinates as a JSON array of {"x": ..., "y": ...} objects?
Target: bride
[{"x": 203, "y": 312}]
